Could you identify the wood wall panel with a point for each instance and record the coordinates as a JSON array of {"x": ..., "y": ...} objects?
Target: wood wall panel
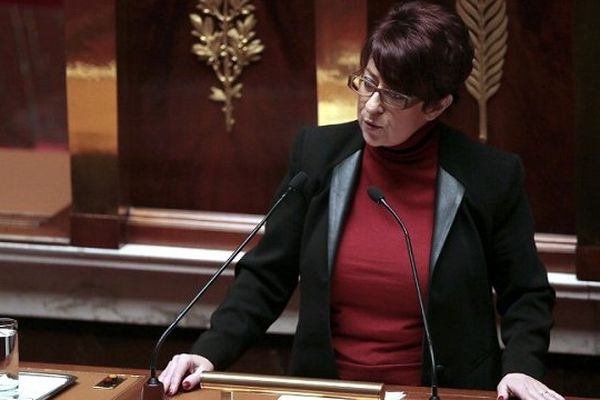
[
  {"x": 174, "y": 149},
  {"x": 90, "y": 47},
  {"x": 174, "y": 152},
  {"x": 587, "y": 63},
  {"x": 532, "y": 113},
  {"x": 35, "y": 189},
  {"x": 32, "y": 81}
]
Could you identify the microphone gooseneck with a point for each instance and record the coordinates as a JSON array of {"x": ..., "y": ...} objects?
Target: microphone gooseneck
[
  {"x": 377, "y": 196},
  {"x": 153, "y": 389}
]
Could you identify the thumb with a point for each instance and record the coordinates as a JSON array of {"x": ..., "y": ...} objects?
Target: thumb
[
  {"x": 502, "y": 390},
  {"x": 192, "y": 380}
]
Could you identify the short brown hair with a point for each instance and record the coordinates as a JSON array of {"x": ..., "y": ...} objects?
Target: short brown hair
[{"x": 421, "y": 49}]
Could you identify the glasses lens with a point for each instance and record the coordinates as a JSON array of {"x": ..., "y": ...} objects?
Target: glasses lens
[
  {"x": 394, "y": 99},
  {"x": 360, "y": 85},
  {"x": 366, "y": 87},
  {"x": 354, "y": 83}
]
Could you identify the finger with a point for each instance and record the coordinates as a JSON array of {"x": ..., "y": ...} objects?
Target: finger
[
  {"x": 192, "y": 380},
  {"x": 173, "y": 374},
  {"x": 180, "y": 368},
  {"x": 502, "y": 390},
  {"x": 165, "y": 375}
]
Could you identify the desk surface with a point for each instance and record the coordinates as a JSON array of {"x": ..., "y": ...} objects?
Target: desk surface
[
  {"x": 87, "y": 377},
  {"x": 130, "y": 389}
]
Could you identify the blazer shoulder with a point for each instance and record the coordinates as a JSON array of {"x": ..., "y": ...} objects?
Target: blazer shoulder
[
  {"x": 483, "y": 170},
  {"x": 336, "y": 134},
  {"x": 318, "y": 147}
]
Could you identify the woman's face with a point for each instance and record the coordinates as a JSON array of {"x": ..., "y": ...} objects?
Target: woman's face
[{"x": 388, "y": 126}]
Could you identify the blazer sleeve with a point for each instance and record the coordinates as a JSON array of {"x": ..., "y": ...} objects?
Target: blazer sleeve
[
  {"x": 265, "y": 279},
  {"x": 524, "y": 297}
]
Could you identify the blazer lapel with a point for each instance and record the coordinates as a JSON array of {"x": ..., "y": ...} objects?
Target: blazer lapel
[
  {"x": 450, "y": 193},
  {"x": 449, "y": 196},
  {"x": 342, "y": 182}
]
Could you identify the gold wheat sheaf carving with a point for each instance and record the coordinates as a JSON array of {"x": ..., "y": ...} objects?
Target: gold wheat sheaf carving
[
  {"x": 487, "y": 23},
  {"x": 227, "y": 49}
]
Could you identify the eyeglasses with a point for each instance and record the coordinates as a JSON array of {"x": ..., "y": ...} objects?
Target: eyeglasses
[{"x": 364, "y": 86}]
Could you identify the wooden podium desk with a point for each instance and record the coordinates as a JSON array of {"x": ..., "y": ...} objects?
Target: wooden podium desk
[{"x": 130, "y": 389}]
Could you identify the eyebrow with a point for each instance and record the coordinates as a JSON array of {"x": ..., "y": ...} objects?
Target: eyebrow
[
  {"x": 379, "y": 80},
  {"x": 373, "y": 75}
]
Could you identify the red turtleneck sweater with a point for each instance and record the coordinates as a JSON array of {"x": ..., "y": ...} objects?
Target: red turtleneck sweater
[{"x": 375, "y": 319}]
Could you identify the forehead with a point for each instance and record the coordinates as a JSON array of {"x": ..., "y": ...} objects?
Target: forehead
[
  {"x": 372, "y": 69},
  {"x": 373, "y": 72}
]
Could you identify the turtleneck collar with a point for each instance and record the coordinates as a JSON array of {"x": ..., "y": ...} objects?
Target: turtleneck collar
[{"x": 414, "y": 148}]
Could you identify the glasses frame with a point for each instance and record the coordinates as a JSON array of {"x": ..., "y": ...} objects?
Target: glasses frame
[{"x": 388, "y": 97}]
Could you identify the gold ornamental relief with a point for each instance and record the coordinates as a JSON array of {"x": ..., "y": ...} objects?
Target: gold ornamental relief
[
  {"x": 487, "y": 23},
  {"x": 227, "y": 43}
]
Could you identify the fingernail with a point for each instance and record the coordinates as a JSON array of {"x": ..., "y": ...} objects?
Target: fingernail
[
  {"x": 186, "y": 385},
  {"x": 500, "y": 397}
]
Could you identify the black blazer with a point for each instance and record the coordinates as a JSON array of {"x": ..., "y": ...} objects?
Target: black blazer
[{"x": 482, "y": 240}]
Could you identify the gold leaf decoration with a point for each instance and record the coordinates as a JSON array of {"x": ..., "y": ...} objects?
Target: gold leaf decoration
[
  {"x": 227, "y": 43},
  {"x": 487, "y": 22}
]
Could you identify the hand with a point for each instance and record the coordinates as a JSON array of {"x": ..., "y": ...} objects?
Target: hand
[
  {"x": 185, "y": 369},
  {"x": 525, "y": 387}
]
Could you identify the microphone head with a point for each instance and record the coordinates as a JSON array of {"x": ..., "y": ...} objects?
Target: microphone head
[
  {"x": 298, "y": 180},
  {"x": 375, "y": 194}
]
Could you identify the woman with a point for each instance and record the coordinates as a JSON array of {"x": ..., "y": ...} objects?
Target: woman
[{"x": 462, "y": 202}]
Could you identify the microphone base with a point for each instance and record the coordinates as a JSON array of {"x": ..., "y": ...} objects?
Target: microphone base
[
  {"x": 434, "y": 393},
  {"x": 153, "y": 389}
]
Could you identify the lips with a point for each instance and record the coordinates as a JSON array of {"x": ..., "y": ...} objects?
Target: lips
[{"x": 371, "y": 124}]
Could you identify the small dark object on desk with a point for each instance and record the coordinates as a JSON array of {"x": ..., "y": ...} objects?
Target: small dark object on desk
[{"x": 110, "y": 382}]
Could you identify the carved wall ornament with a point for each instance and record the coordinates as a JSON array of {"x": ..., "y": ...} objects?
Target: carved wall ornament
[
  {"x": 487, "y": 23},
  {"x": 227, "y": 42}
]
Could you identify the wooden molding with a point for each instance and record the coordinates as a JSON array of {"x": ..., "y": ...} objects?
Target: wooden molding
[
  {"x": 95, "y": 230},
  {"x": 205, "y": 229},
  {"x": 588, "y": 262}
]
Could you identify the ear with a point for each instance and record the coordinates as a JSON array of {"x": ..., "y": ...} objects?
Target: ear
[{"x": 435, "y": 110}]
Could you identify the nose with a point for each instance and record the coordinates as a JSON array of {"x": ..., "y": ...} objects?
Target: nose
[{"x": 374, "y": 104}]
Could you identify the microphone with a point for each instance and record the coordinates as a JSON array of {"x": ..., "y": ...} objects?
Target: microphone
[
  {"x": 376, "y": 195},
  {"x": 153, "y": 389}
]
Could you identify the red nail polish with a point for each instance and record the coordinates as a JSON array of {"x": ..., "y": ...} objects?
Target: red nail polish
[
  {"x": 500, "y": 398},
  {"x": 186, "y": 385}
]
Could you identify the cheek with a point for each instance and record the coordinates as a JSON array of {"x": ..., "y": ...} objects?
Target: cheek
[
  {"x": 359, "y": 106},
  {"x": 411, "y": 119}
]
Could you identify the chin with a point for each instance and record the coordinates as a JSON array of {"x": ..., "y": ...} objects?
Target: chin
[
  {"x": 374, "y": 142},
  {"x": 373, "y": 138}
]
